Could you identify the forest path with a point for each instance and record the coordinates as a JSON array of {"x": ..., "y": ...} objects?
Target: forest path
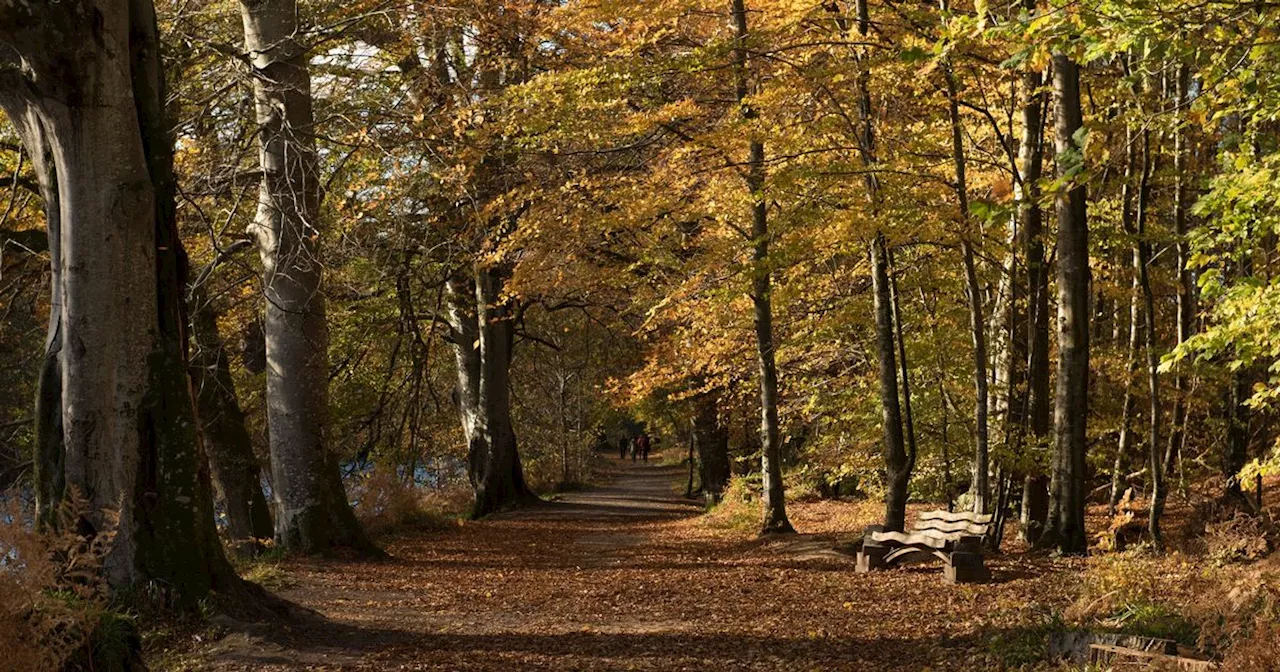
[{"x": 624, "y": 576}]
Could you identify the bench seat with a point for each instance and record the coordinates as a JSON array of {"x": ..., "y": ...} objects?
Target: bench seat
[{"x": 956, "y": 538}]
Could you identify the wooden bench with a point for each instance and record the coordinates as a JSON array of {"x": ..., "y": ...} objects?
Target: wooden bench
[{"x": 955, "y": 538}]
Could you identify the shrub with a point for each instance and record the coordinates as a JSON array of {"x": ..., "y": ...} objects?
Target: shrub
[
  {"x": 387, "y": 503},
  {"x": 1240, "y": 538},
  {"x": 53, "y": 599},
  {"x": 739, "y": 507},
  {"x": 1139, "y": 594}
]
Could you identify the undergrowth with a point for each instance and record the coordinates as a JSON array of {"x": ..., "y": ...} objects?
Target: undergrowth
[
  {"x": 54, "y": 608},
  {"x": 1224, "y": 600},
  {"x": 739, "y": 506},
  {"x": 388, "y": 504}
]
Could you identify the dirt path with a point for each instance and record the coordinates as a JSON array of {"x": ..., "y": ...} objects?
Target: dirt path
[{"x": 626, "y": 577}]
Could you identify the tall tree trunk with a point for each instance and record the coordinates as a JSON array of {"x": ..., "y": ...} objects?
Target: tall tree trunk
[
  {"x": 1035, "y": 504},
  {"x": 711, "y": 439},
  {"x": 1071, "y": 404},
  {"x": 1124, "y": 446},
  {"x": 897, "y": 461},
  {"x": 775, "y": 507},
  {"x": 981, "y": 481},
  {"x": 908, "y": 420},
  {"x": 1186, "y": 281},
  {"x": 499, "y": 478},
  {"x": 464, "y": 337},
  {"x": 236, "y": 475},
  {"x": 312, "y": 511},
  {"x": 1156, "y": 454},
  {"x": 49, "y": 449},
  {"x": 127, "y": 413}
]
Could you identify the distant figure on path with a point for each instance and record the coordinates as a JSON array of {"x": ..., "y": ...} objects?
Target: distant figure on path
[
  {"x": 643, "y": 442},
  {"x": 622, "y": 448},
  {"x": 635, "y": 447}
]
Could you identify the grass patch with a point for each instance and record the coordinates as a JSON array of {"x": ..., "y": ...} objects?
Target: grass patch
[{"x": 739, "y": 508}]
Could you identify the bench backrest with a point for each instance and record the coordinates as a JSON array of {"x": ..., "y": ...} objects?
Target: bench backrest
[{"x": 953, "y": 525}]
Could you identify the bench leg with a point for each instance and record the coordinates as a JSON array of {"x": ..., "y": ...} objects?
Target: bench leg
[
  {"x": 871, "y": 558},
  {"x": 872, "y": 554},
  {"x": 965, "y": 567}
]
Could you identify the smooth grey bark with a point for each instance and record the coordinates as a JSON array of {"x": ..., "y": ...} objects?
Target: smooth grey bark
[
  {"x": 49, "y": 450},
  {"x": 313, "y": 514},
  {"x": 127, "y": 413},
  {"x": 896, "y": 458},
  {"x": 464, "y": 336},
  {"x": 908, "y": 420},
  {"x": 1035, "y": 491},
  {"x": 1071, "y": 401},
  {"x": 1155, "y": 452},
  {"x": 1186, "y": 279},
  {"x": 775, "y": 509},
  {"x": 234, "y": 469},
  {"x": 1124, "y": 446},
  {"x": 898, "y": 462},
  {"x": 482, "y": 335}
]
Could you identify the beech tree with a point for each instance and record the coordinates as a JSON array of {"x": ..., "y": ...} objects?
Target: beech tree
[
  {"x": 312, "y": 511},
  {"x": 1071, "y": 401},
  {"x": 87, "y": 77},
  {"x": 775, "y": 510}
]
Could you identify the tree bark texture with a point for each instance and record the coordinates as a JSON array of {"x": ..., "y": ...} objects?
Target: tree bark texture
[
  {"x": 1071, "y": 402},
  {"x": 236, "y": 474},
  {"x": 775, "y": 509},
  {"x": 1035, "y": 504},
  {"x": 128, "y": 421},
  {"x": 312, "y": 511}
]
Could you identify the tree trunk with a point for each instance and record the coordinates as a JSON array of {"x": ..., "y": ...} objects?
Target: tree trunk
[
  {"x": 1124, "y": 447},
  {"x": 981, "y": 481},
  {"x": 1236, "y": 452},
  {"x": 1035, "y": 492},
  {"x": 711, "y": 439},
  {"x": 49, "y": 448},
  {"x": 127, "y": 414},
  {"x": 897, "y": 461},
  {"x": 499, "y": 479},
  {"x": 775, "y": 509},
  {"x": 312, "y": 511},
  {"x": 908, "y": 421},
  {"x": 1071, "y": 404},
  {"x": 464, "y": 339},
  {"x": 234, "y": 468},
  {"x": 1155, "y": 453},
  {"x": 1186, "y": 281}
]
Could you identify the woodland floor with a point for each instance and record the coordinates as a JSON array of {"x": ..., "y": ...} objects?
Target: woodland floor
[{"x": 629, "y": 576}]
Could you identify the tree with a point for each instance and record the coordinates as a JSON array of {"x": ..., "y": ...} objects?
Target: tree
[
  {"x": 1031, "y": 159},
  {"x": 775, "y": 509},
  {"x": 312, "y": 511},
  {"x": 91, "y": 74},
  {"x": 236, "y": 476},
  {"x": 1071, "y": 400}
]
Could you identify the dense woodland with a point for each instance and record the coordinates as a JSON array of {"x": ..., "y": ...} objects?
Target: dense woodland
[{"x": 272, "y": 268}]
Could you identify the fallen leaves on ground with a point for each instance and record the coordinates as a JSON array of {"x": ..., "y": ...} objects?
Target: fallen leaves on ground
[{"x": 629, "y": 577}]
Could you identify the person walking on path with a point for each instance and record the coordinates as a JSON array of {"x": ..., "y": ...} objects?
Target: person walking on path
[
  {"x": 643, "y": 445},
  {"x": 622, "y": 448}
]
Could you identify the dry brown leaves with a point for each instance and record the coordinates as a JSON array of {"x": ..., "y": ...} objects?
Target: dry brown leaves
[{"x": 627, "y": 577}]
